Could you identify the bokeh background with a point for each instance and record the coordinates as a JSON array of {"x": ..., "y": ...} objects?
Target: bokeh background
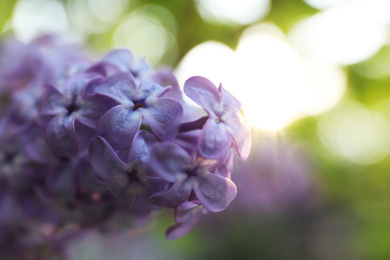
[{"x": 313, "y": 77}]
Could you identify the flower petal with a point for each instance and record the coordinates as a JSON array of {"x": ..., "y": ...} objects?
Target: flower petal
[
  {"x": 105, "y": 162},
  {"x": 214, "y": 140},
  {"x": 181, "y": 229},
  {"x": 61, "y": 136},
  {"x": 122, "y": 58},
  {"x": 120, "y": 87},
  {"x": 241, "y": 134},
  {"x": 164, "y": 117},
  {"x": 203, "y": 92},
  {"x": 170, "y": 161},
  {"x": 175, "y": 195},
  {"x": 141, "y": 147},
  {"x": 119, "y": 126},
  {"x": 229, "y": 104},
  {"x": 184, "y": 210},
  {"x": 214, "y": 192},
  {"x": 92, "y": 108}
]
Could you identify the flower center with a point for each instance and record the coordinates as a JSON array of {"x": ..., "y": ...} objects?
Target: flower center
[
  {"x": 132, "y": 176},
  {"x": 139, "y": 104},
  {"x": 72, "y": 108}
]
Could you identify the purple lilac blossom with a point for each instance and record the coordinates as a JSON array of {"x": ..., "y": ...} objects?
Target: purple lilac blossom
[
  {"x": 173, "y": 164},
  {"x": 88, "y": 144},
  {"x": 138, "y": 103},
  {"x": 130, "y": 179},
  {"x": 65, "y": 106},
  {"x": 122, "y": 60},
  {"x": 223, "y": 127}
]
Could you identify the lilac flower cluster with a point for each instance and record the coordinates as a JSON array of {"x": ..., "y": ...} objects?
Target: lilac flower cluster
[{"x": 82, "y": 141}]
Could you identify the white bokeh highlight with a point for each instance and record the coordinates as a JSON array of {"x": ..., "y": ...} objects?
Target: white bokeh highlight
[
  {"x": 232, "y": 11},
  {"x": 33, "y": 18},
  {"x": 273, "y": 83}
]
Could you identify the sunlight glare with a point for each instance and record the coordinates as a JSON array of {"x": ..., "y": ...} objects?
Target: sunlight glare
[
  {"x": 31, "y": 18},
  {"x": 232, "y": 11}
]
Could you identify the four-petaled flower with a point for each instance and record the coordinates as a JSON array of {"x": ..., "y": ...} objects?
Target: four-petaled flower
[
  {"x": 223, "y": 127},
  {"x": 138, "y": 103},
  {"x": 173, "y": 164}
]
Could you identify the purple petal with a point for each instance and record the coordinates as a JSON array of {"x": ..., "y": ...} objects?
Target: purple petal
[
  {"x": 214, "y": 140},
  {"x": 175, "y": 195},
  {"x": 120, "y": 87},
  {"x": 119, "y": 126},
  {"x": 92, "y": 108},
  {"x": 181, "y": 229},
  {"x": 170, "y": 161},
  {"x": 122, "y": 58},
  {"x": 203, "y": 92},
  {"x": 75, "y": 84},
  {"x": 61, "y": 136},
  {"x": 214, "y": 192},
  {"x": 105, "y": 162},
  {"x": 184, "y": 210},
  {"x": 147, "y": 90},
  {"x": 141, "y": 147},
  {"x": 54, "y": 102},
  {"x": 166, "y": 78},
  {"x": 241, "y": 135},
  {"x": 229, "y": 104},
  {"x": 163, "y": 116}
]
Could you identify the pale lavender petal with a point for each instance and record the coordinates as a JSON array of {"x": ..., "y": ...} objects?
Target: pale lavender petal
[
  {"x": 122, "y": 58},
  {"x": 120, "y": 87},
  {"x": 241, "y": 134},
  {"x": 119, "y": 126},
  {"x": 170, "y": 161},
  {"x": 175, "y": 195},
  {"x": 61, "y": 136},
  {"x": 214, "y": 192},
  {"x": 147, "y": 90},
  {"x": 75, "y": 84},
  {"x": 203, "y": 92},
  {"x": 229, "y": 104},
  {"x": 105, "y": 162},
  {"x": 166, "y": 78},
  {"x": 223, "y": 171},
  {"x": 181, "y": 229},
  {"x": 92, "y": 108},
  {"x": 54, "y": 104},
  {"x": 163, "y": 116},
  {"x": 141, "y": 147},
  {"x": 214, "y": 140},
  {"x": 184, "y": 210}
]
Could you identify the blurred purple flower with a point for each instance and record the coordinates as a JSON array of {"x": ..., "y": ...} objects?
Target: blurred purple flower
[
  {"x": 68, "y": 106},
  {"x": 277, "y": 177},
  {"x": 223, "y": 126},
  {"x": 122, "y": 60}
]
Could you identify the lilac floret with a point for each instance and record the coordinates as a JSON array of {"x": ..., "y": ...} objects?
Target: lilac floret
[
  {"x": 187, "y": 215},
  {"x": 130, "y": 178},
  {"x": 173, "y": 164},
  {"x": 122, "y": 60},
  {"x": 223, "y": 128},
  {"x": 138, "y": 103},
  {"x": 67, "y": 107}
]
